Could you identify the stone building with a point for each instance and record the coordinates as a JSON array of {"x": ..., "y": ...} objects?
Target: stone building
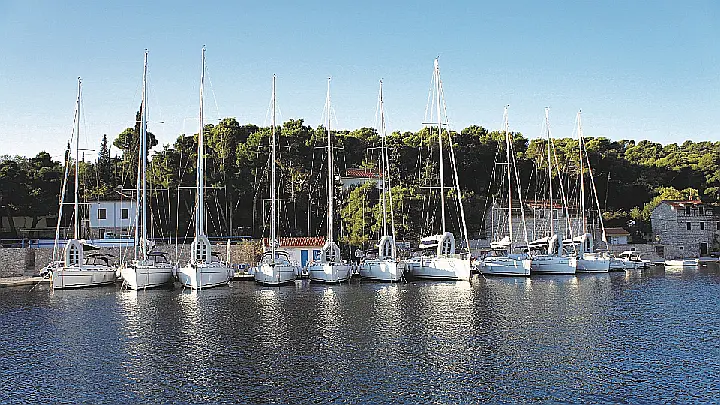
[{"x": 685, "y": 228}]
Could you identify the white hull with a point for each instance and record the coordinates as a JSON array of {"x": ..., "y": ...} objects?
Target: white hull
[
  {"x": 82, "y": 276},
  {"x": 505, "y": 266},
  {"x": 590, "y": 263},
  {"x": 204, "y": 275},
  {"x": 137, "y": 276},
  {"x": 682, "y": 263},
  {"x": 278, "y": 274},
  {"x": 545, "y": 264},
  {"x": 624, "y": 264},
  {"x": 329, "y": 272},
  {"x": 443, "y": 268},
  {"x": 382, "y": 270}
]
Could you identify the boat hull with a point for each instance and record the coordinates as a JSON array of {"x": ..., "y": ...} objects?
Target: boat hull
[
  {"x": 441, "y": 268},
  {"x": 82, "y": 276},
  {"x": 382, "y": 270},
  {"x": 506, "y": 266},
  {"x": 138, "y": 276},
  {"x": 329, "y": 272},
  {"x": 686, "y": 263},
  {"x": 204, "y": 275},
  {"x": 593, "y": 264},
  {"x": 278, "y": 274},
  {"x": 544, "y": 264}
]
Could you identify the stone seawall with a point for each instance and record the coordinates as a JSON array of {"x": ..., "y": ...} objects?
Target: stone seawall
[
  {"x": 16, "y": 262},
  {"x": 645, "y": 250}
]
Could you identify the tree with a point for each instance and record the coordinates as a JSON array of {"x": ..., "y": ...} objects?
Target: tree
[
  {"x": 128, "y": 142},
  {"x": 357, "y": 214}
]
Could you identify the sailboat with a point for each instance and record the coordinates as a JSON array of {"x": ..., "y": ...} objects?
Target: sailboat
[
  {"x": 554, "y": 261},
  {"x": 275, "y": 267},
  {"x": 440, "y": 261},
  {"x": 203, "y": 270},
  {"x": 147, "y": 269},
  {"x": 589, "y": 261},
  {"x": 78, "y": 269},
  {"x": 386, "y": 266},
  {"x": 509, "y": 263},
  {"x": 329, "y": 268}
]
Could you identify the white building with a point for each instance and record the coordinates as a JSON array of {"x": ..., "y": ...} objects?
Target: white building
[
  {"x": 358, "y": 177},
  {"x": 112, "y": 219},
  {"x": 617, "y": 236},
  {"x": 300, "y": 249}
]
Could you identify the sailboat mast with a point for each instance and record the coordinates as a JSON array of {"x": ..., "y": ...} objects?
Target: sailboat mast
[
  {"x": 582, "y": 173},
  {"x": 77, "y": 163},
  {"x": 509, "y": 177},
  {"x": 547, "y": 129},
  {"x": 331, "y": 170},
  {"x": 200, "y": 208},
  {"x": 272, "y": 178},
  {"x": 438, "y": 100},
  {"x": 143, "y": 156},
  {"x": 382, "y": 161}
]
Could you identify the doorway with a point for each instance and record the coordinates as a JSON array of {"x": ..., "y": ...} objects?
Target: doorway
[{"x": 703, "y": 248}]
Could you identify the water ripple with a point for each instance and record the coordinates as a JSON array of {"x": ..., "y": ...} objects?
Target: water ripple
[{"x": 643, "y": 337}]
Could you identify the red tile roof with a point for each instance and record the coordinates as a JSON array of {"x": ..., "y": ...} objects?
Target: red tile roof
[
  {"x": 299, "y": 241},
  {"x": 616, "y": 232},
  {"x": 682, "y": 203},
  {"x": 363, "y": 173},
  {"x": 542, "y": 204}
]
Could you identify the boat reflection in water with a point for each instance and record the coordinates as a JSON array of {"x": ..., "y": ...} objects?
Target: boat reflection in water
[{"x": 624, "y": 338}]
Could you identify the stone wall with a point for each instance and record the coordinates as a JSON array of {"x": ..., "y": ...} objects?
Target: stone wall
[
  {"x": 16, "y": 262},
  {"x": 646, "y": 250},
  {"x": 28, "y": 261}
]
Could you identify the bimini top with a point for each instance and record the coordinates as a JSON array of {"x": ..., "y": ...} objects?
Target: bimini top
[{"x": 429, "y": 242}]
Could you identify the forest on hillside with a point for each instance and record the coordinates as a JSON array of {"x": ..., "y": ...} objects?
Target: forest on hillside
[{"x": 630, "y": 178}]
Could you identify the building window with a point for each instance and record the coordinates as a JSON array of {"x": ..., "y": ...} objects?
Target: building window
[
  {"x": 718, "y": 226},
  {"x": 702, "y": 226},
  {"x": 102, "y": 213},
  {"x": 124, "y": 213},
  {"x": 687, "y": 210},
  {"x": 701, "y": 211},
  {"x": 709, "y": 211},
  {"x": 689, "y": 227}
]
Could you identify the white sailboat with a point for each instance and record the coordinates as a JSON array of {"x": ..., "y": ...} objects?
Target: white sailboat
[
  {"x": 440, "y": 260},
  {"x": 330, "y": 267},
  {"x": 275, "y": 267},
  {"x": 203, "y": 270},
  {"x": 508, "y": 263},
  {"x": 147, "y": 269},
  {"x": 78, "y": 269},
  {"x": 386, "y": 266},
  {"x": 589, "y": 261},
  {"x": 555, "y": 261}
]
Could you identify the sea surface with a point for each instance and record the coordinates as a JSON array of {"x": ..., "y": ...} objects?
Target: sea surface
[{"x": 641, "y": 337}]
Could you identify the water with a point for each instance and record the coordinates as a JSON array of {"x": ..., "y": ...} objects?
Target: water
[{"x": 645, "y": 337}]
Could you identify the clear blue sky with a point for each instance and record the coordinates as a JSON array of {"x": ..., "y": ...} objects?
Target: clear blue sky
[{"x": 637, "y": 69}]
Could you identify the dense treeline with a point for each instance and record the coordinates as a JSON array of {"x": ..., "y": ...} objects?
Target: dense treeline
[{"x": 630, "y": 177}]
